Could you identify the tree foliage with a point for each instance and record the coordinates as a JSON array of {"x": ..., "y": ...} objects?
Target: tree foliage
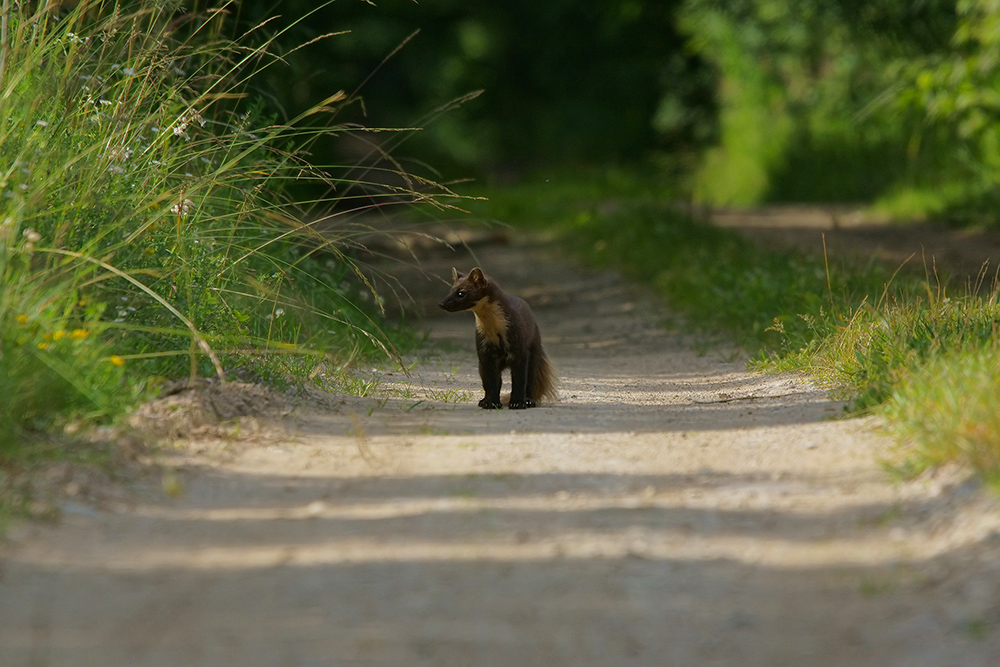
[
  {"x": 562, "y": 81},
  {"x": 779, "y": 99}
]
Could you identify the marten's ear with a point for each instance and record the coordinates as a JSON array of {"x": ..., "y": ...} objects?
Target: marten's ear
[
  {"x": 455, "y": 275},
  {"x": 476, "y": 276}
]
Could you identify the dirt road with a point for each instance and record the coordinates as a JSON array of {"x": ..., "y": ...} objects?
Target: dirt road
[{"x": 671, "y": 509}]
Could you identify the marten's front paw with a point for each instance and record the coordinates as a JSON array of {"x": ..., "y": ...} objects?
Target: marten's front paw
[
  {"x": 521, "y": 405},
  {"x": 488, "y": 404}
]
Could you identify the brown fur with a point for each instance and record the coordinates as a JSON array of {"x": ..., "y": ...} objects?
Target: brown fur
[
  {"x": 507, "y": 337},
  {"x": 546, "y": 382}
]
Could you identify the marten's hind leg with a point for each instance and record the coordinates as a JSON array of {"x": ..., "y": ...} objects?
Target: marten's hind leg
[
  {"x": 491, "y": 375},
  {"x": 520, "y": 380}
]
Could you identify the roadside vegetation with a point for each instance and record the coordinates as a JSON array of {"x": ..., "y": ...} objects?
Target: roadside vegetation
[
  {"x": 905, "y": 345},
  {"x": 148, "y": 228}
]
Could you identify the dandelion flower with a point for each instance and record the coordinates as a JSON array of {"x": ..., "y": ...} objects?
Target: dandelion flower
[
  {"x": 79, "y": 334},
  {"x": 43, "y": 346},
  {"x": 22, "y": 319},
  {"x": 56, "y": 335},
  {"x": 116, "y": 360}
]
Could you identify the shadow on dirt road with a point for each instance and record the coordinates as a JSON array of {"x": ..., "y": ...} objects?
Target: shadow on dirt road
[{"x": 671, "y": 509}]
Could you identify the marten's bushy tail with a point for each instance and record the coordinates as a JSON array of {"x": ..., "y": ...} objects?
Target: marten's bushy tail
[{"x": 544, "y": 383}]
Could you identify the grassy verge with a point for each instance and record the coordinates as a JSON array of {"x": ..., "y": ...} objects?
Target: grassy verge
[
  {"x": 901, "y": 346},
  {"x": 146, "y": 230}
]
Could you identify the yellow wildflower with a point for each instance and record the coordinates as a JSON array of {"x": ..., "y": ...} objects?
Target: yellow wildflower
[
  {"x": 116, "y": 360},
  {"x": 43, "y": 346},
  {"x": 79, "y": 334},
  {"x": 58, "y": 334},
  {"x": 22, "y": 319}
]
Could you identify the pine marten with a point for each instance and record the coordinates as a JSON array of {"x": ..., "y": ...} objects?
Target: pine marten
[{"x": 507, "y": 336}]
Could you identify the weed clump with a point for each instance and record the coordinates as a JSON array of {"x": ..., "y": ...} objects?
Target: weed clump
[{"x": 946, "y": 408}]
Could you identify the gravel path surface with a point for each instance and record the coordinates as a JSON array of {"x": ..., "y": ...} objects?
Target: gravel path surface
[{"x": 671, "y": 509}]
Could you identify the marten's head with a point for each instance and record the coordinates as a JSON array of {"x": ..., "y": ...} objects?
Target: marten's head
[{"x": 467, "y": 290}]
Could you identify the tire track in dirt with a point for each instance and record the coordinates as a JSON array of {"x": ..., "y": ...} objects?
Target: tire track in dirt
[{"x": 671, "y": 509}]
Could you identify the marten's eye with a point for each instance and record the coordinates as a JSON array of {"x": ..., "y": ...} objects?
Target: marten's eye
[{"x": 460, "y": 294}]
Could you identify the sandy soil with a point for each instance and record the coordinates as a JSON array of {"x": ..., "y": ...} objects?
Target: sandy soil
[{"x": 671, "y": 509}]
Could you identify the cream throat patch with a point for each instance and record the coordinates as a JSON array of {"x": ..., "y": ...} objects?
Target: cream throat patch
[{"x": 491, "y": 321}]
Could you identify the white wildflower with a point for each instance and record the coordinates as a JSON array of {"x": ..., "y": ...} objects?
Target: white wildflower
[
  {"x": 123, "y": 154},
  {"x": 182, "y": 208},
  {"x": 31, "y": 237}
]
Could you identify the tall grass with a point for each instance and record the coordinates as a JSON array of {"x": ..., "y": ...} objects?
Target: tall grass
[
  {"x": 145, "y": 225},
  {"x": 881, "y": 344}
]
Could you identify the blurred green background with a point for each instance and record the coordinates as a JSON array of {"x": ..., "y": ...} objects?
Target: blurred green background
[
  {"x": 562, "y": 82},
  {"x": 731, "y": 103}
]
